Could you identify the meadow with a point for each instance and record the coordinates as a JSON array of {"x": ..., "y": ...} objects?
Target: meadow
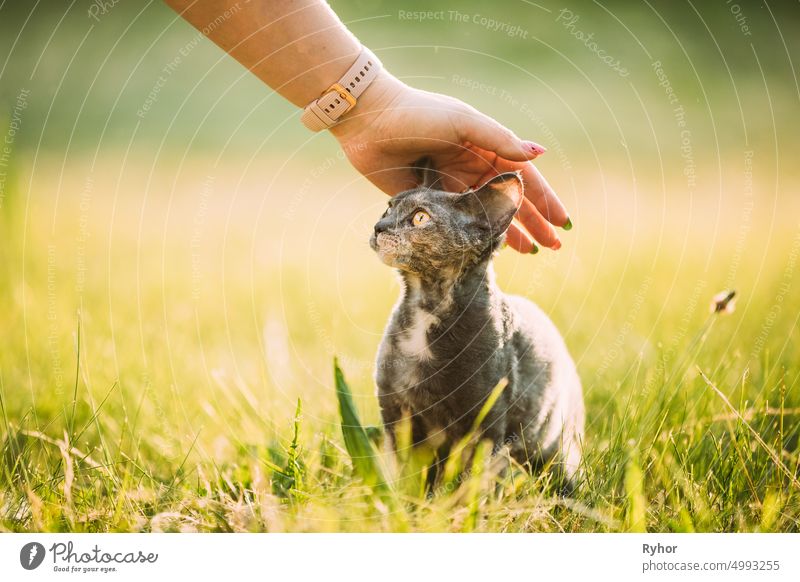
[
  {"x": 176, "y": 285},
  {"x": 154, "y": 360}
]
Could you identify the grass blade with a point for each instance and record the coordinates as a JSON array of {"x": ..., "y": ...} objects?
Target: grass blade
[
  {"x": 772, "y": 454},
  {"x": 359, "y": 446},
  {"x": 636, "y": 506}
]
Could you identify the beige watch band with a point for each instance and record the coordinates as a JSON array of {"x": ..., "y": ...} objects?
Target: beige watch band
[{"x": 341, "y": 97}]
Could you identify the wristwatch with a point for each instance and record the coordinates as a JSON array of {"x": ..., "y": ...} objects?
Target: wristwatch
[{"x": 341, "y": 97}]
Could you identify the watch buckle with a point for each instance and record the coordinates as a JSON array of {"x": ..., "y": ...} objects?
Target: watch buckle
[{"x": 344, "y": 94}]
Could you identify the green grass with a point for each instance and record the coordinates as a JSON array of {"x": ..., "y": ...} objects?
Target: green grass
[
  {"x": 170, "y": 318},
  {"x": 166, "y": 373}
]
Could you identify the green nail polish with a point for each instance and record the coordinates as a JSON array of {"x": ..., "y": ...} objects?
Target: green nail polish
[
  {"x": 568, "y": 224},
  {"x": 534, "y": 250}
]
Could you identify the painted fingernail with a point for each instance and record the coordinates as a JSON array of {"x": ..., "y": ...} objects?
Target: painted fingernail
[
  {"x": 534, "y": 250},
  {"x": 537, "y": 149},
  {"x": 567, "y": 224}
]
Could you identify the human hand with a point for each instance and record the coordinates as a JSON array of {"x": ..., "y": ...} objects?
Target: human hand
[{"x": 394, "y": 125}]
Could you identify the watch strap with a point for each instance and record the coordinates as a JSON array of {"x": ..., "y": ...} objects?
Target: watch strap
[{"x": 342, "y": 96}]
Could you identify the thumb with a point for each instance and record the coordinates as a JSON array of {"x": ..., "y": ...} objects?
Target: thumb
[{"x": 488, "y": 134}]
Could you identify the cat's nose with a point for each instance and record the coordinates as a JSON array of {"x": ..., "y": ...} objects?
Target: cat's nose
[{"x": 380, "y": 227}]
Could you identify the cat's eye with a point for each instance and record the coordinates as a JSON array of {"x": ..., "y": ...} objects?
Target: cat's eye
[{"x": 420, "y": 217}]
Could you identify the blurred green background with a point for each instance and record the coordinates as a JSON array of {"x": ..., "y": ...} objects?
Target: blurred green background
[
  {"x": 729, "y": 63},
  {"x": 214, "y": 253},
  {"x": 89, "y": 76}
]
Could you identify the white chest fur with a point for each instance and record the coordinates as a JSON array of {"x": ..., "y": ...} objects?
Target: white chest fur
[{"x": 413, "y": 341}]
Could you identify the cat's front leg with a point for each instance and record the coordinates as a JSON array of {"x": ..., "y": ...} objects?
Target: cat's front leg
[{"x": 391, "y": 415}]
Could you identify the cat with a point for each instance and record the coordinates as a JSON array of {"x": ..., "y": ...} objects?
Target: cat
[{"x": 454, "y": 335}]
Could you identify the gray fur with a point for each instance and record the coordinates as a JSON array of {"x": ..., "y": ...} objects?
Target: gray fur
[{"x": 454, "y": 335}]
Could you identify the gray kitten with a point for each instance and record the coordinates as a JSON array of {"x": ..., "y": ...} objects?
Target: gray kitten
[{"x": 454, "y": 335}]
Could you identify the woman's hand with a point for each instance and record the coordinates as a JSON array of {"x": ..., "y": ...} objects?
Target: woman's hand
[{"x": 393, "y": 125}]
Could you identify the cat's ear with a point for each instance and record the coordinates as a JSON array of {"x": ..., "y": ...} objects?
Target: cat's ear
[
  {"x": 496, "y": 202},
  {"x": 426, "y": 174}
]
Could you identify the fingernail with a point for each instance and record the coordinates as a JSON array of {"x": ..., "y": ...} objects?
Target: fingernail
[
  {"x": 556, "y": 245},
  {"x": 534, "y": 250},
  {"x": 537, "y": 149},
  {"x": 567, "y": 224}
]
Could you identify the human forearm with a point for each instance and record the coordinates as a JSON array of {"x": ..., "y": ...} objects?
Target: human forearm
[{"x": 297, "y": 47}]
